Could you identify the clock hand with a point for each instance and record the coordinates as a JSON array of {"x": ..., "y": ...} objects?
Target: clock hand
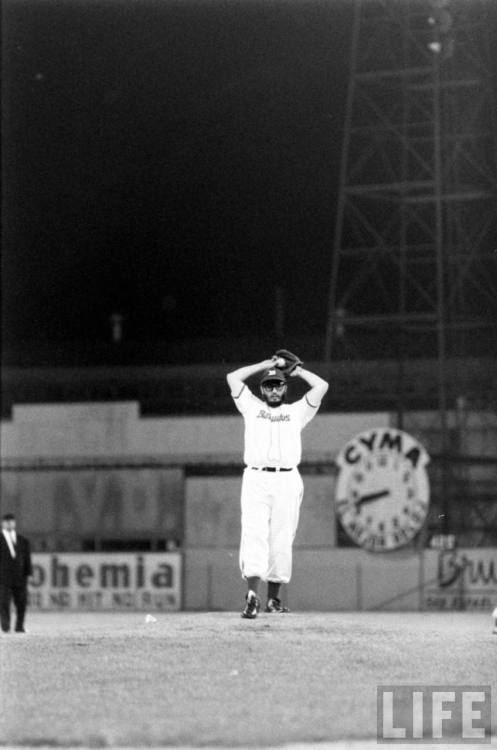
[{"x": 372, "y": 496}]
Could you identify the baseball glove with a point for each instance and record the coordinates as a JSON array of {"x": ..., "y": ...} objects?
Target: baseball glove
[{"x": 291, "y": 361}]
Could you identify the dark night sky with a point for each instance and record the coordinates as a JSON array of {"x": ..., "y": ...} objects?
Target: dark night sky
[{"x": 175, "y": 161}]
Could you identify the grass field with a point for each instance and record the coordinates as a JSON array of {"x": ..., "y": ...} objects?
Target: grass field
[{"x": 213, "y": 679}]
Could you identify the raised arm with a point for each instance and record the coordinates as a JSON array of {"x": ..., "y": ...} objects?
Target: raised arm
[
  {"x": 318, "y": 386},
  {"x": 237, "y": 378}
]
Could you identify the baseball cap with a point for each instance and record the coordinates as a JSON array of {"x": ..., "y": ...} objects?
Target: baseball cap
[{"x": 273, "y": 375}]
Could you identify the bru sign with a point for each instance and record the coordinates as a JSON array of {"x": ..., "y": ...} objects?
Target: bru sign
[
  {"x": 103, "y": 582},
  {"x": 461, "y": 579}
]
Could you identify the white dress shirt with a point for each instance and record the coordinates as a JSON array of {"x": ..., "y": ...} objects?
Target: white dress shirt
[{"x": 11, "y": 539}]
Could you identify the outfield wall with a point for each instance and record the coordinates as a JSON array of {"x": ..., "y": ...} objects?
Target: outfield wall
[
  {"x": 323, "y": 580},
  {"x": 352, "y": 579},
  {"x": 118, "y": 431},
  {"x": 325, "y": 577},
  {"x": 84, "y": 474}
]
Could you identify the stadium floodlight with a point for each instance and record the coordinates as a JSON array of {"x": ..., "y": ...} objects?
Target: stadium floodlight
[{"x": 441, "y": 21}]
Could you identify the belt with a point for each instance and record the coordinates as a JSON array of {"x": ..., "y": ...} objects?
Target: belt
[{"x": 269, "y": 468}]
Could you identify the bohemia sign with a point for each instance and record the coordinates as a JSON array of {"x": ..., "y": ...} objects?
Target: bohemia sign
[{"x": 103, "y": 582}]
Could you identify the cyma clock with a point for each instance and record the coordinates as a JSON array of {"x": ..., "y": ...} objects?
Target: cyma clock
[{"x": 382, "y": 492}]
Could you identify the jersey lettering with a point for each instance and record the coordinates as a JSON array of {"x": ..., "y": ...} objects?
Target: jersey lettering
[{"x": 278, "y": 418}]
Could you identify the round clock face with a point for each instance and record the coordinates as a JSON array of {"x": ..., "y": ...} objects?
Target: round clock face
[{"x": 382, "y": 494}]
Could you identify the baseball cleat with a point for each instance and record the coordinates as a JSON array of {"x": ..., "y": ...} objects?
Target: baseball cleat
[
  {"x": 275, "y": 605},
  {"x": 252, "y": 606}
]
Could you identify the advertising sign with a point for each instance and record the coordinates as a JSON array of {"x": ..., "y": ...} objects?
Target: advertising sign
[
  {"x": 461, "y": 579},
  {"x": 101, "y": 500},
  {"x": 382, "y": 492},
  {"x": 106, "y": 582}
]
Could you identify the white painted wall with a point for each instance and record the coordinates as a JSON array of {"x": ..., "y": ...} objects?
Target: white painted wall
[
  {"x": 212, "y": 512},
  {"x": 328, "y": 580},
  {"x": 117, "y": 430}
]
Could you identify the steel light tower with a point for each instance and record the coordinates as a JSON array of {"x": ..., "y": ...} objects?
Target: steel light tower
[{"x": 414, "y": 267}]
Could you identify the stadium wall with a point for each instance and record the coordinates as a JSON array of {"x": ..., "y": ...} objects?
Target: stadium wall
[
  {"x": 324, "y": 580},
  {"x": 117, "y": 431},
  {"x": 102, "y": 471}
]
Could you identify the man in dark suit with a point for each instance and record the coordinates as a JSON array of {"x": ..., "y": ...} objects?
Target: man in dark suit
[{"x": 15, "y": 568}]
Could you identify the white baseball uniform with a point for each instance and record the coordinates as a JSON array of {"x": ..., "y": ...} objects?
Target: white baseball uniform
[{"x": 270, "y": 500}]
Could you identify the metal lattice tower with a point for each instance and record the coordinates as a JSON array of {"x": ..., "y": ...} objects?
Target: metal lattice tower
[{"x": 414, "y": 269}]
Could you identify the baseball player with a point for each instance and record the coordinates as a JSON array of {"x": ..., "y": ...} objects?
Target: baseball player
[{"x": 272, "y": 487}]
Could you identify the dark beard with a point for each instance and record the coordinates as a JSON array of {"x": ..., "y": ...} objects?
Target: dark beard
[{"x": 274, "y": 405}]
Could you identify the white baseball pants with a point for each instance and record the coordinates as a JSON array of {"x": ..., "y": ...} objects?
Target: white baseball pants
[{"x": 270, "y": 504}]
